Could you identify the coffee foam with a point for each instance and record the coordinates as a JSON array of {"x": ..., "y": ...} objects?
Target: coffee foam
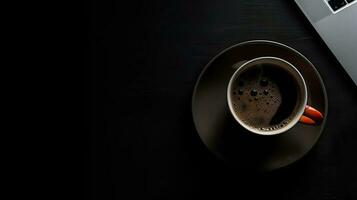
[{"x": 256, "y": 99}]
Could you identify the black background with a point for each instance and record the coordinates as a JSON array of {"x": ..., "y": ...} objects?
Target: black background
[{"x": 144, "y": 59}]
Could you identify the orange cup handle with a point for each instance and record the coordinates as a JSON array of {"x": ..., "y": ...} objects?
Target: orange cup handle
[{"x": 311, "y": 116}]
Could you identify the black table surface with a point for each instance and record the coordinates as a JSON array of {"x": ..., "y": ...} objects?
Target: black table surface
[{"x": 145, "y": 57}]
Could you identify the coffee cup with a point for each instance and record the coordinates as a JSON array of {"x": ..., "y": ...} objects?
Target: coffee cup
[{"x": 268, "y": 96}]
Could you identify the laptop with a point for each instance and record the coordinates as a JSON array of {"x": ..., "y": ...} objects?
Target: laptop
[{"x": 336, "y": 23}]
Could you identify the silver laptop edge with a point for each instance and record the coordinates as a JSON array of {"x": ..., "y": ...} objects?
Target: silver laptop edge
[{"x": 337, "y": 26}]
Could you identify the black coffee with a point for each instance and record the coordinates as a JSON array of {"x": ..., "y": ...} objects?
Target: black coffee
[{"x": 265, "y": 97}]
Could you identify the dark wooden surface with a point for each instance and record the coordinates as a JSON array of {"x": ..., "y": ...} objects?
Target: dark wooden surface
[{"x": 145, "y": 58}]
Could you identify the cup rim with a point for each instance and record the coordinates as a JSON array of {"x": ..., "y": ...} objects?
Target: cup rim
[{"x": 299, "y": 113}]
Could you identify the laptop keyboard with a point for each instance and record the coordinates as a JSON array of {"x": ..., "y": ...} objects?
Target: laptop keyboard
[{"x": 338, "y": 4}]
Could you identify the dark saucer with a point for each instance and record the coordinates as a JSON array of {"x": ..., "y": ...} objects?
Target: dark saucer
[{"x": 221, "y": 133}]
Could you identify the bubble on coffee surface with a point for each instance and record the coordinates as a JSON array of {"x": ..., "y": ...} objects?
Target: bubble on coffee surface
[
  {"x": 263, "y": 82},
  {"x": 259, "y": 100}
]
